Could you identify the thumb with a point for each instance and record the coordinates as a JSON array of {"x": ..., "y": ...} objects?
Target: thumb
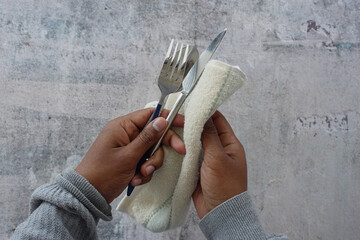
[
  {"x": 147, "y": 137},
  {"x": 210, "y": 138}
]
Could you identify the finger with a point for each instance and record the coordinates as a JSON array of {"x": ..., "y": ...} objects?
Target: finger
[
  {"x": 139, "y": 118},
  {"x": 136, "y": 180},
  {"x": 139, "y": 179},
  {"x": 126, "y": 128},
  {"x": 134, "y": 122},
  {"x": 147, "y": 137},
  {"x": 154, "y": 163},
  {"x": 210, "y": 139},
  {"x": 178, "y": 120},
  {"x": 173, "y": 140},
  {"x": 226, "y": 134},
  {"x": 147, "y": 170}
]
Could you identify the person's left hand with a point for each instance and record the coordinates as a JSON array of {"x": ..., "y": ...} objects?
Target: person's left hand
[{"x": 110, "y": 163}]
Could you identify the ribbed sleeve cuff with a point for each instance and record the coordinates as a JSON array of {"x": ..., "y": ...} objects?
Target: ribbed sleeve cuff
[
  {"x": 85, "y": 193},
  {"x": 234, "y": 219}
]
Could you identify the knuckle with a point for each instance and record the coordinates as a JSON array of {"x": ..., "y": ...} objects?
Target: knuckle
[
  {"x": 114, "y": 124},
  {"x": 241, "y": 147},
  {"x": 121, "y": 122},
  {"x": 156, "y": 162},
  {"x": 214, "y": 155},
  {"x": 168, "y": 136},
  {"x": 215, "y": 166},
  {"x": 146, "y": 179},
  {"x": 146, "y": 136},
  {"x": 109, "y": 125},
  {"x": 209, "y": 129}
]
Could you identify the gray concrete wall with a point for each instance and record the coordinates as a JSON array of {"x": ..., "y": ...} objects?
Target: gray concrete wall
[{"x": 67, "y": 67}]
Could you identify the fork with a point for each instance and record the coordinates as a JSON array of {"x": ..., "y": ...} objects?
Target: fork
[{"x": 171, "y": 76}]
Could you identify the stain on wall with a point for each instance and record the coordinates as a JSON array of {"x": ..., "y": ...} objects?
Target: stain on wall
[{"x": 331, "y": 123}]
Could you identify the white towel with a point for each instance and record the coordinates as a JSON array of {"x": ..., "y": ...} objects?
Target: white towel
[{"x": 163, "y": 203}]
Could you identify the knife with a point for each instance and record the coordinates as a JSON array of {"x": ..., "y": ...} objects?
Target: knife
[{"x": 187, "y": 86}]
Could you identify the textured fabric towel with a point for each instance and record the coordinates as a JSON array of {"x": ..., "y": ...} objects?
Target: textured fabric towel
[{"x": 163, "y": 203}]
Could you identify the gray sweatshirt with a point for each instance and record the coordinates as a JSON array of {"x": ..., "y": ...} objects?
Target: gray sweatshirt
[{"x": 71, "y": 207}]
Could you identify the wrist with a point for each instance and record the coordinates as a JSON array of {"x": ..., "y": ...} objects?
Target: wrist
[
  {"x": 222, "y": 197},
  {"x": 86, "y": 193},
  {"x": 108, "y": 192},
  {"x": 234, "y": 219}
]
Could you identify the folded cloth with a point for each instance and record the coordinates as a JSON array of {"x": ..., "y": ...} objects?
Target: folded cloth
[{"x": 163, "y": 203}]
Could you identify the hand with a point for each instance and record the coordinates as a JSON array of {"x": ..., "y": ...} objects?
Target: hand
[
  {"x": 110, "y": 163},
  {"x": 223, "y": 171}
]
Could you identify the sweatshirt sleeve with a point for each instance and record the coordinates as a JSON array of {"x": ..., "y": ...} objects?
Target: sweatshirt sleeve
[
  {"x": 235, "y": 219},
  {"x": 70, "y": 208}
]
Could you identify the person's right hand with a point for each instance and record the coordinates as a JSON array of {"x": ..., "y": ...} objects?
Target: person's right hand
[
  {"x": 110, "y": 163},
  {"x": 223, "y": 171}
]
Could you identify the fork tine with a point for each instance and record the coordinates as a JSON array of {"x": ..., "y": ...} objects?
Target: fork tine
[
  {"x": 169, "y": 49},
  {"x": 168, "y": 53},
  {"x": 185, "y": 57},
  {"x": 175, "y": 64},
  {"x": 180, "y": 55},
  {"x": 181, "y": 61},
  {"x": 182, "y": 67},
  {"x": 174, "y": 54},
  {"x": 171, "y": 58}
]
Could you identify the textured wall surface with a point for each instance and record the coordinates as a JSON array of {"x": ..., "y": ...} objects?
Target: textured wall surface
[{"x": 67, "y": 67}]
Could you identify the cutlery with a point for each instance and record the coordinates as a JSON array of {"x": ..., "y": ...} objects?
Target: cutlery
[
  {"x": 172, "y": 73},
  {"x": 189, "y": 83},
  {"x": 187, "y": 86},
  {"x": 176, "y": 66}
]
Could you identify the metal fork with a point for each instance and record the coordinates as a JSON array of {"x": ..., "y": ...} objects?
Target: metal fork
[
  {"x": 176, "y": 65},
  {"x": 172, "y": 73}
]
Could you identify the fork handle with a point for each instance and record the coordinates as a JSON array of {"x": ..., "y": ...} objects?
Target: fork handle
[
  {"x": 151, "y": 151},
  {"x": 147, "y": 155},
  {"x": 158, "y": 109},
  {"x": 142, "y": 160},
  {"x": 156, "y": 112}
]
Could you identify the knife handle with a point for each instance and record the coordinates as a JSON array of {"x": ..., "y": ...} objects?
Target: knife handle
[
  {"x": 170, "y": 118},
  {"x": 147, "y": 154}
]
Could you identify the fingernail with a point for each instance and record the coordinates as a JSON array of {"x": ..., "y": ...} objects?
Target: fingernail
[
  {"x": 150, "y": 169},
  {"x": 159, "y": 124},
  {"x": 137, "y": 182}
]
